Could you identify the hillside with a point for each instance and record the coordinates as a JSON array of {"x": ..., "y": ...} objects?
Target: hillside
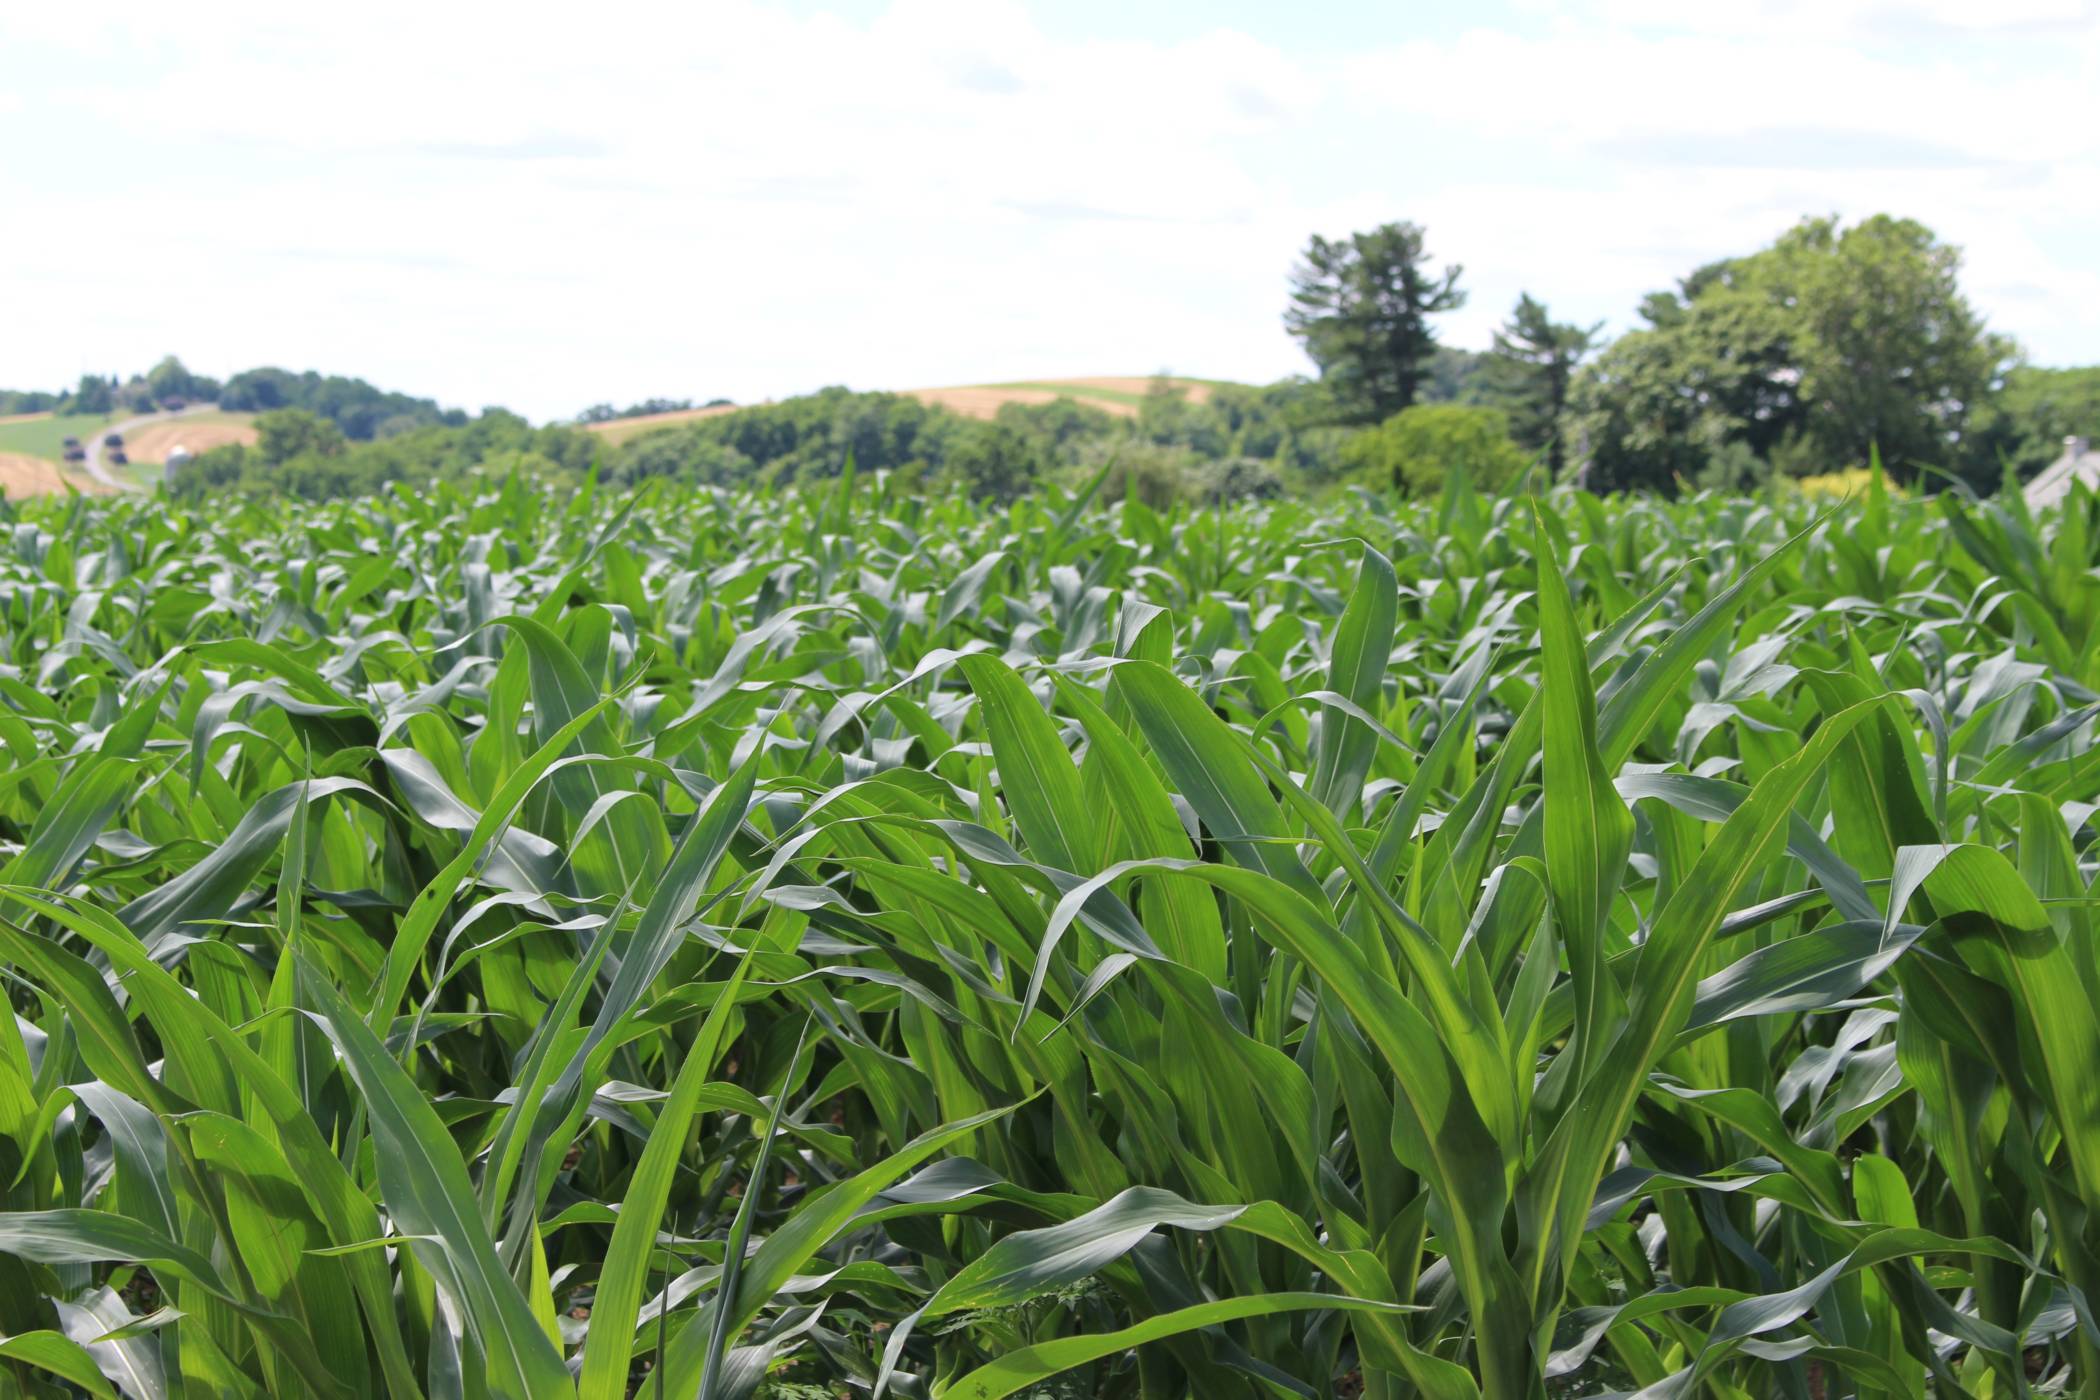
[
  {"x": 32, "y": 445},
  {"x": 1117, "y": 394},
  {"x": 23, "y": 475},
  {"x": 618, "y": 430},
  {"x": 44, "y": 434},
  {"x": 199, "y": 432}
]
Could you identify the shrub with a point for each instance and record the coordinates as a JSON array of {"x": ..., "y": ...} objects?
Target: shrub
[{"x": 1417, "y": 447}]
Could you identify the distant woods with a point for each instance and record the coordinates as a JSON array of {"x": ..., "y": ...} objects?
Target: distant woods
[
  {"x": 361, "y": 411},
  {"x": 1833, "y": 344}
]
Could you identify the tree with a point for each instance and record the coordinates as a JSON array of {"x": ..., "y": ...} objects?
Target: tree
[
  {"x": 1657, "y": 404},
  {"x": 1830, "y": 344},
  {"x": 1455, "y": 376},
  {"x": 1890, "y": 353},
  {"x": 992, "y": 461},
  {"x": 1528, "y": 371},
  {"x": 285, "y": 433},
  {"x": 2024, "y": 427},
  {"x": 1361, "y": 306},
  {"x": 351, "y": 404},
  {"x": 171, "y": 380},
  {"x": 1418, "y": 447},
  {"x": 95, "y": 395}
]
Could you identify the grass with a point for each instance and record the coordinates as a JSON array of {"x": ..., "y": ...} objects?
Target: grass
[
  {"x": 531, "y": 941},
  {"x": 45, "y": 437},
  {"x": 145, "y": 475}
]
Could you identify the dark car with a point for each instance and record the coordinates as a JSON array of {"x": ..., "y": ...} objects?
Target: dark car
[
  {"x": 117, "y": 456},
  {"x": 71, "y": 443},
  {"x": 113, "y": 440},
  {"x": 76, "y": 454}
]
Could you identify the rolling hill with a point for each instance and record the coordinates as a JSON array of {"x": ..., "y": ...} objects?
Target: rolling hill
[
  {"x": 199, "y": 432},
  {"x": 1119, "y": 394}
]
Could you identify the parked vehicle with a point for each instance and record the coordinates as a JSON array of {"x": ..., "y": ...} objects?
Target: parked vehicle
[{"x": 113, "y": 440}]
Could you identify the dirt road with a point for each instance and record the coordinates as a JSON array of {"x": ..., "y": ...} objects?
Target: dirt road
[{"x": 93, "y": 443}]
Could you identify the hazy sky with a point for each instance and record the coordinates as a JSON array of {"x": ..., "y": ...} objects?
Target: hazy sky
[{"x": 548, "y": 206}]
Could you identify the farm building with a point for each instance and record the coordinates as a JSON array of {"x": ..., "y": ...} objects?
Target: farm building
[{"x": 2079, "y": 463}]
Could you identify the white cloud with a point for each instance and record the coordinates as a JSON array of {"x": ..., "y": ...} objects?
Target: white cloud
[{"x": 567, "y": 204}]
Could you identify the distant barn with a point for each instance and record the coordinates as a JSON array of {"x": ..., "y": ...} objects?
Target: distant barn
[{"x": 2079, "y": 463}]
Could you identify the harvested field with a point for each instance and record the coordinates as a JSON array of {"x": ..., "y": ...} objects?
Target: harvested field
[
  {"x": 1136, "y": 385},
  {"x": 199, "y": 433},
  {"x": 1119, "y": 394},
  {"x": 22, "y": 475},
  {"x": 618, "y": 430},
  {"x": 985, "y": 400}
]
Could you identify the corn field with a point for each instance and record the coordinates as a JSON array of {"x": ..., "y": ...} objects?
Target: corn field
[{"x": 523, "y": 943}]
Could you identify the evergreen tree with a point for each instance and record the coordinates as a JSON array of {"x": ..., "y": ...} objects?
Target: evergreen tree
[
  {"x": 1361, "y": 308},
  {"x": 1528, "y": 372}
]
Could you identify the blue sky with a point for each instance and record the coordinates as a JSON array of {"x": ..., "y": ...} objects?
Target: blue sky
[{"x": 611, "y": 202}]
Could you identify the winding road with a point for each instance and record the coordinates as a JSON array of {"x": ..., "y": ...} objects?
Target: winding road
[{"x": 93, "y": 442}]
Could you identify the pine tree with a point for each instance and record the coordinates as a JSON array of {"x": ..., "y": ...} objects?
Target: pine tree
[
  {"x": 1528, "y": 372},
  {"x": 1361, "y": 307}
]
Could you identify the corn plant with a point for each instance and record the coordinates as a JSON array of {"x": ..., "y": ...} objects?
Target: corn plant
[{"x": 492, "y": 941}]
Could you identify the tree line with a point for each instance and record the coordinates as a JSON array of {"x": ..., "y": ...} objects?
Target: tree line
[
  {"x": 1831, "y": 345},
  {"x": 361, "y": 411}
]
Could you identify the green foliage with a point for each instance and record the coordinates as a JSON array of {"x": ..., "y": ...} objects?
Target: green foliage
[
  {"x": 810, "y": 438},
  {"x": 1890, "y": 353},
  {"x": 606, "y": 413},
  {"x": 1415, "y": 450},
  {"x": 14, "y": 401},
  {"x": 2025, "y": 425},
  {"x": 285, "y": 433},
  {"x": 318, "y": 464},
  {"x": 361, "y": 411},
  {"x": 989, "y": 461},
  {"x": 1831, "y": 344},
  {"x": 1361, "y": 306},
  {"x": 1238, "y": 441},
  {"x": 169, "y": 380},
  {"x": 1455, "y": 376},
  {"x": 502, "y": 939},
  {"x": 1527, "y": 375},
  {"x": 94, "y": 395}
]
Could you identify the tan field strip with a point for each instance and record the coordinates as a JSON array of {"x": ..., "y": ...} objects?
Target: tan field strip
[
  {"x": 618, "y": 430},
  {"x": 1115, "y": 394},
  {"x": 1194, "y": 390},
  {"x": 22, "y": 475},
  {"x": 985, "y": 401},
  {"x": 155, "y": 441},
  {"x": 1111, "y": 393},
  {"x": 6, "y": 418}
]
